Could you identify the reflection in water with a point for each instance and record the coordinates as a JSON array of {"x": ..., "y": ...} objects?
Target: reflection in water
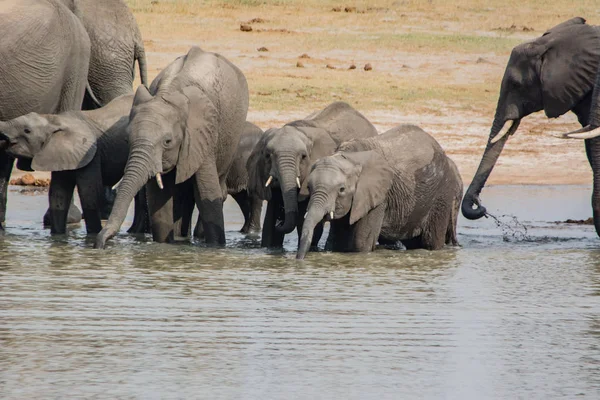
[{"x": 488, "y": 320}]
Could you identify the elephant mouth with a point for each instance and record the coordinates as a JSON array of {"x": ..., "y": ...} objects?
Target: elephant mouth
[{"x": 5, "y": 141}]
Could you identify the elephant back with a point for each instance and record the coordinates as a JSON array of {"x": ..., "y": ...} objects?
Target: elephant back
[{"x": 342, "y": 122}]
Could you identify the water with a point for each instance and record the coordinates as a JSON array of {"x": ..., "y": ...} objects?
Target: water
[{"x": 499, "y": 318}]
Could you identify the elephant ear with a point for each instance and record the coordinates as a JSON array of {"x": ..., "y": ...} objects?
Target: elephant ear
[
  {"x": 199, "y": 133},
  {"x": 373, "y": 184},
  {"x": 258, "y": 172},
  {"x": 66, "y": 148},
  {"x": 322, "y": 145},
  {"x": 569, "y": 61}
]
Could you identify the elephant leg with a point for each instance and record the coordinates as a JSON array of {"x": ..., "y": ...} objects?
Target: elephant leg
[
  {"x": 451, "y": 237},
  {"x": 141, "y": 218},
  {"x": 413, "y": 243},
  {"x": 271, "y": 237},
  {"x": 62, "y": 185},
  {"x": 183, "y": 207},
  {"x": 6, "y": 165},
  {"x": 160, "y": 205},
  {"x": 91, "y": 194},
  {"x": 199, "y": 228},
  {"x": 243, "y": 200},
  {"x": 209, "y": 200},
  {"x": 436, "y": 226},
  {"x": 367, "y": 229},
  {"x": 109, "y": 199},
  {"x": 592, "y": 149},
  {"x": 74, "y": 216},
  {"x": 256, "y": 205}
]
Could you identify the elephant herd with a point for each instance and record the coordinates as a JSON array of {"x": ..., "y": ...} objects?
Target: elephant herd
[{"x": 67, "y": 106}]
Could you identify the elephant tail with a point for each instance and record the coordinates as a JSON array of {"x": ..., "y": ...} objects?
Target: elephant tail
[
  {"x": 140, "y": 56},
  {"x": 91, "y": 95}
]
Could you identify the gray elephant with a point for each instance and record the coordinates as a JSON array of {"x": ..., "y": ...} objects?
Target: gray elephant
[
  {"x": 554, "y": 73},
  {"x": 398, "y": 186},
  {"x": 280, "y": 163},
  {"x": 116, "y": 44},
  {"x": 87, "y": 149},
  {"x": 45, "y": 51},
  {"x": 237, "y": 187},
  {"x": 186, "y": 127}
]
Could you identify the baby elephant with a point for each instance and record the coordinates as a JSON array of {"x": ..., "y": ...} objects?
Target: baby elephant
[
  {"x": 398, "y": 186},
  {"x": 87, "y": 149}
]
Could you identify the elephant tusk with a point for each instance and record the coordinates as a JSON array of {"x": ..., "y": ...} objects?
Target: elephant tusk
[
  {"x": 159, "y": 181},
  {"x": 587, "y": 132},
  {"x": 298, "y": 182},
  {"x": 269, "y": 181},
  {"x": 505, "y": 129},
  {"x": 305, "y": 215},
  {"x": 331, "y": 214}
]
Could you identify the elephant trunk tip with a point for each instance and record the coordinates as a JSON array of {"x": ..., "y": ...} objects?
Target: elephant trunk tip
[
  {"x": 471, "y": 212},
  {"x": 289, "y": 223}
]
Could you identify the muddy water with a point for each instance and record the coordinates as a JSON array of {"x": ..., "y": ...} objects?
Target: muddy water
[{"x": 498, "y": 318}]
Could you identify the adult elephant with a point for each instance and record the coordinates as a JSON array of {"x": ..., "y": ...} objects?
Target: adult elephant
[
  {"x": 186, "y": 127},
  {"x": 398, "y": 186},
  {"x": 280, "y": 163},
  {"x": 554, "y": 73},
  {"x": 116, "y": 45},
  {"x": 45, "y": 53}
]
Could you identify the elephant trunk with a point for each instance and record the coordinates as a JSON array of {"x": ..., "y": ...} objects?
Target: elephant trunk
[
  {"x": 289, "y": 190},
  {"x": 594, "y": 118},
  {"x": 594, "y": 151},
  {"x": 137, "y": 172},
  {"x": 471, "y": 206},
  {"x": 317, "y": 209}
]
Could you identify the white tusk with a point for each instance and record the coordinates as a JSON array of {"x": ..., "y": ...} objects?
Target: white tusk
[
  {"x": 331, "y": 214},
  {"x": 587, "y": 132},
  {"x": 298, "y": 182},
  {"x": 305, "y": 215},
  {"x": 269, "y": 181},
  {"x": 505, "y": 129},
  {"x": 159, "y": 181}
]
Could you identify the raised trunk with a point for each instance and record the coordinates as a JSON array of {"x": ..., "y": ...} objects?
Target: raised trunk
[
  {"x": 317, "y": 208},
  {"x": 137, "y": 173},
  {"x": 471, "y": 206},
  {"x": 289, "y": 190}
]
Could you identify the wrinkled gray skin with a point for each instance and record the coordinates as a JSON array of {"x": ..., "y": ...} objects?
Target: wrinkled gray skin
[
  {"x": 287, "y": 154},
  {"x": 554, "y": 73},
  {"x": 237, "y": 187},
  {"x": 186, "y": 127},
  {"x": 116, "y": 44},
  {"x": 398, "y": 186},
  {"x": 87, "y": 149},
  {"x": 45, "y": 52}
]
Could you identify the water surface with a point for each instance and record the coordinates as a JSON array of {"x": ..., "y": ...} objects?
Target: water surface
[{"x": 498, "y": 318}]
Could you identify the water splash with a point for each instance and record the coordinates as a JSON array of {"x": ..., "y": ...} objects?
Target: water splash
[{"x": 512, "y": 228}]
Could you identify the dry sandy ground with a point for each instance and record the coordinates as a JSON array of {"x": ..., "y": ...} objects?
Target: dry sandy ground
[{"x": 435, "y": 64}]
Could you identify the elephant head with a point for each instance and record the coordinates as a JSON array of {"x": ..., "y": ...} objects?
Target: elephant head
[
  {"x": 344, "y": 183},
  {"x": 53, "y": 142},
  {"x": 553, "y": 73},
  {"x": 281, "y": 161},
  {"x": 171, "y": 130}
]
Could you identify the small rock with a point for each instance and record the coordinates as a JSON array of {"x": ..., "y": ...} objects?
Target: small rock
[
  {"x": 256, "y": 21},
  {"x": 245, "y": 28},
  {"x": 329, "y": 66},
  {"x": 304, "y": 55},
  {"x": 262, "y": 49},
  {"x": 154, "y": 2},
  {"x": 27, "y": 180},
  {"x": 336, "y": 9},
  {"x": 299, "y": 65},
  {"x": 368, "y": 67},
  {"x": 350, "y": 9},
  {"x": 352, "y": 66},
  {"x": 405, "y": 66},
  {"x": 482, "y": 60}
]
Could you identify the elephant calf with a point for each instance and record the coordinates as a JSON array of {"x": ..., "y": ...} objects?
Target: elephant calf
[
  {"x": 398, "y": 186},
  {"x": 87, "y": 149}
]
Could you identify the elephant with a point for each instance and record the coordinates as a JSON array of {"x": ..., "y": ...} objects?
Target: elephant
[
  {"x": 45, "y": 51},
  {"x": 116, "y": 44},
  {"x": 185, "y": 127},
  {"x": 281, "y": 160},
  {"x": 398, "y": 186},
  {"x": 237, "y": 187},
  {"x": 87, "y": 149},
  {"x": 554, "y": 73}
]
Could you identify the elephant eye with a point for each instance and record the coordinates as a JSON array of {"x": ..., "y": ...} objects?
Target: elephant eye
[
  {"x": 342, "y": 189},
  {"x": 304, "y": 156},
  {"x": 168, "y": 141},
  {"x": 27, "y": 130},
  {"x": 268, "y": 156}
]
